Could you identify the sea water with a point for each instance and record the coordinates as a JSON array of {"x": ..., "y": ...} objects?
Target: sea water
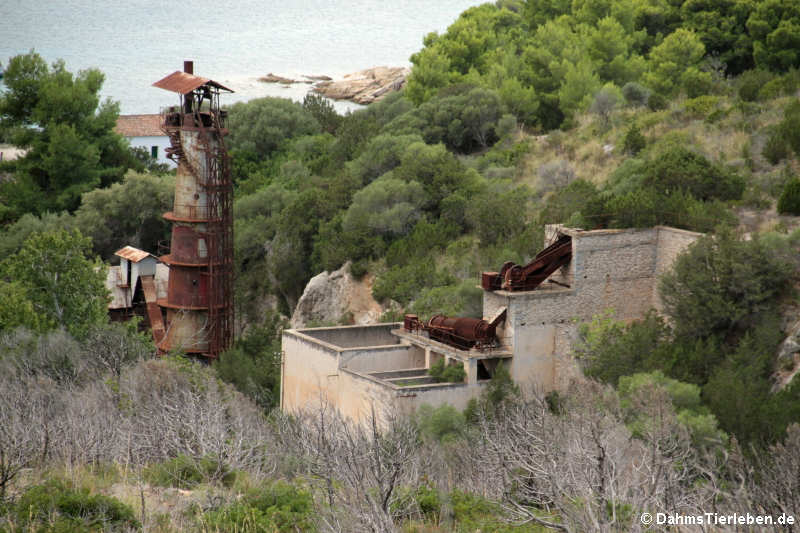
[{"x": 137, "y": 42}]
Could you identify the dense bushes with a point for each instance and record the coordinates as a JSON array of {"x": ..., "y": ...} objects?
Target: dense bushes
[
  {"x": 675, "y": 168},
  {"x": 264, "y": 125},
  {"x": 789, "y": 201},
  {"x": 452, "y": 373},
  {"x": 55, "y": 506},
  {"x": 273, "y": 508},
  {"x": 187, "y": 472},
  {"x": 551, "y": 60},
  {"x": 723, "y": 299},
  {"x": 668, "y": 184}
]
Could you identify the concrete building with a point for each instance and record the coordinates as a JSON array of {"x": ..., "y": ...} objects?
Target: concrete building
[
  {"x": 384, "y": 367},
  {"x": 144, "y": 131}
]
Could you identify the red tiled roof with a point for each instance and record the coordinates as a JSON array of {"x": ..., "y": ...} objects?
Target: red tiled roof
[{"x": 139, "y": 126}]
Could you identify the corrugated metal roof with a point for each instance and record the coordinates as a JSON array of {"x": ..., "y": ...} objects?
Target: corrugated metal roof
[
  {"x": 139, "y": 126},
  {"x": 183, "y": 83},
  {"x": 132, "y": 254}
]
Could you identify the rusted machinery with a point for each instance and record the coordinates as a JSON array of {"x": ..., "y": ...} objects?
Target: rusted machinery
[
  {"x": 462, "y": 333},
  {"x": 513, "y": 277},
  {"x": 199, "y": 304}
]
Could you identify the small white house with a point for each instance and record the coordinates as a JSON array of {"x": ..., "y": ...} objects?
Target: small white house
[{"x": 145, "y": 131}]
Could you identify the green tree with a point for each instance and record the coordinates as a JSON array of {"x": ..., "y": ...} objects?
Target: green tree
[
  {"x": 722, "y": 285},
  {"x": 685, "y": 398},
  {"x": 387, "y": 206},
  {"x": 774, "y": 26},
  {"x": 16, "y": 309},
  {"x": 721, "y": 26},
  {"x": 323, "y": 111},
  {"x": 610, "y": 349},
  {"x": 265, "y": 125},
  {"x": 675, "y": 168},
  {"x": 72, "y": 147},
  {"x": 253, "y": 364},
  {"x": 380, "y": 155},
  {"x": 634, "y": 142},
  {"x": 675, "y": 62},
  {"x": 127, "y": 213},
  {"x": 13, "y": 236},
  {"x": 65, "y": 287},
  {"x": 439, "y": 171}
]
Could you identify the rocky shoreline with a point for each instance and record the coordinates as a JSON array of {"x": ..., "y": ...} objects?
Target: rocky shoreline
[{"x": 362, "y": 87}]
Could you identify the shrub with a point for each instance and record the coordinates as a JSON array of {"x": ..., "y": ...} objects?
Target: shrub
[
  {"x": 498, "y": 215},
  {"x": 62, "y": 508},
  {"x": 555, "y": 175},
  {"x": 677, "y": 168},
  {"x": 253, "y": 364},
  {"x": 701, "y": 107},
  {"x": 776, "y": 148},
  {"x": 751, "y": 82},
  {"x": 657, "y": 102},
  {"x": 635, "y": 94},
  {"x": 789, "y": 202},
  {"x": 609, "y": 349},
  {"x": 440, "y": 423},
  {"x": 403, "y": 283},
  {"x": 721, "y": 285},
  {"x": 790, "y": 126},
  {"x": 463, "y": 299},
  {"x": 279, "y": 507},
  {"x": 453, "y": 373},
  {"x": 579, "y": 196},
  {"x": 634, "y": 141},
  {"x": 187, "y": 472},
  {"x": 604, "y": 103}
]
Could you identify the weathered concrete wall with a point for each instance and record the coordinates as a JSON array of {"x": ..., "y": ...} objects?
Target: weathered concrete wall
[
  {"x": 356, "y": 336},
  {"x": 361, "y": 395},
  {"x": 456, "y": 394},
  {"x": 534, "y": 361},
  {"x": 316, "y": 370},
  {"x": 383, "y": 358},
  {"x": 309, "y": 372}
]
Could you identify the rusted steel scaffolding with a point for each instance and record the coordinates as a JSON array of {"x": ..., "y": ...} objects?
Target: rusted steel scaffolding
[
  {"x": 513, "y": 277},
  {"x": 199, "y": 303}
]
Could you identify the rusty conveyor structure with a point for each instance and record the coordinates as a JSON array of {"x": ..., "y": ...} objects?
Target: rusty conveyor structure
[
  {"x": 513, "y": 277},
  {"x": 463, "y": 333}
]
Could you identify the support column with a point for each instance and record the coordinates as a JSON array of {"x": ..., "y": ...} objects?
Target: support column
[{"x": 471, "y": 369}]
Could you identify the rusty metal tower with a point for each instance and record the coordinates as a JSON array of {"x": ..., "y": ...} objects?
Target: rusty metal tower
[{"x": 199, "y": 303}]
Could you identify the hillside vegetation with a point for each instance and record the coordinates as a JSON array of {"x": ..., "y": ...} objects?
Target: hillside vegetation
[{"x": 591, "y": 113}]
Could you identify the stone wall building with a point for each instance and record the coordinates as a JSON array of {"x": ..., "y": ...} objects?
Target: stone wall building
[{"x": 384, "y": 367}]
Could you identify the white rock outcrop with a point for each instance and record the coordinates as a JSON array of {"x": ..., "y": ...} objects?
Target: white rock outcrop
[
  {"x": 365, "y": 86},
  {"x": 330, "y": 297}
]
